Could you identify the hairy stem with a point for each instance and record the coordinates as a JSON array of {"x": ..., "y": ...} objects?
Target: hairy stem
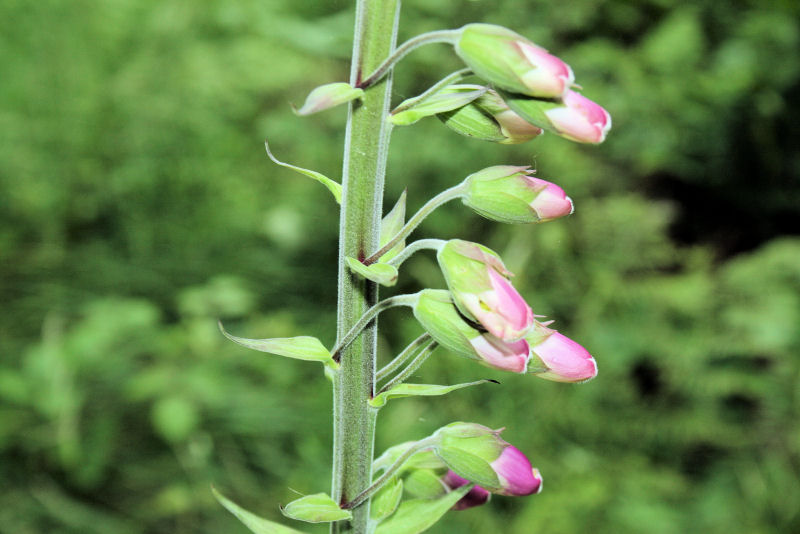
[
  {"x": 445, "y": 196},
  {"x": 403, "y": 357},
  {"x": 390, "y": 471},
  {"x": 414, "y": 247},
  {"x": 369, "y": 315},
  {"x": 415, "y": 364},
  {"x": 365, "y": 152},
  {"x": 441, "y": 36}
]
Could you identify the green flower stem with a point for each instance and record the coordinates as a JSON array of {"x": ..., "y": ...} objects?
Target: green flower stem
[
  {"x": 432, "y": 90},
  {"x": 414, "y": 247},
  {"x": 365, "y": 152},
  {"x": 369, "y": 315},
  {"x": 445, "y": 196},
  {"x": 441, "y": 36},
  {"x": 415, "y": 364},
  {"x": 403, "y": 357},
  {"x": 390, "y": 471}
]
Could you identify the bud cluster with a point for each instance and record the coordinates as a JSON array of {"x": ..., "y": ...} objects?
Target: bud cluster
[{"x": 484, "y": 318}]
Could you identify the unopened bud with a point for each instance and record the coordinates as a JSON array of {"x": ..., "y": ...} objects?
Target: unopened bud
[
  {"x": 573, "y": 117},
  {"x": 557, "y": 357},
  {"x": 510, "y": 194},
  {"x": 512, "y": 62},
  {"x": 479, "y": 283}
]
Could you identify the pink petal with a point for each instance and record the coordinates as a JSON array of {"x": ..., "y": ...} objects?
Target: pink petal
[
  {"x": 516, "y": 474},
  {"x": 566, "y": 360},
  {"x": 501, "y": 355}
]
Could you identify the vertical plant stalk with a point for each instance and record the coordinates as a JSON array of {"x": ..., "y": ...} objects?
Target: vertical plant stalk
[{"x": 365, "y": 153}]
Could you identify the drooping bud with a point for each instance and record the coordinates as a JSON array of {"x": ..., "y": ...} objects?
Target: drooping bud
[
  {"x": 478, "y": 454},
  {"x": 475, "y": 497},
  {"x": 436, "y": 312},
  {"x": 490, "y": 119},
  {"x": 512, "y": 62},
  {"x": 573, "y": 117},
  {"x": 510, "y": 194},
  {"x": 558, "y": 358},
  {"x": 479, "y": 284}
]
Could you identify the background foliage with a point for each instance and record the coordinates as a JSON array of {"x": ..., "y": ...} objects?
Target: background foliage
[{"x": 137, "y": 206}]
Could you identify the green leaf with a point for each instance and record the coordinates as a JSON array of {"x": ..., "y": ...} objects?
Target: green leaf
[
  {"x": 381, "y": 273},
  {"x": 385, "y": 502},
  {"x": 317, "y": 508},
  {"x": 419, "y": 390},
  {"x": 334, "y": 187},
  {"x": 256, "y": 524},
  {"x": 300, "y": 348},
  {"x": 328, "y": 96},
  {"x": 418, "y": 515},
  {"x": 450, "y": 98},
  {"x": 391, "y": 226}
]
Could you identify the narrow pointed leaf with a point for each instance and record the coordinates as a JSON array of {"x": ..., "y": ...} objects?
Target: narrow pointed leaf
[
  {"x": 418, "y": 515},
  {"x": 328, "y": 96},
  {"x": 300, "y": 348},
  {"x": 385, "y": 502},
  {"x": 419, "y": 390},
  {"x": 256, "y": 524},
  {"x": 381, "y": 273},
  {"x": 317, "y": 508},
  {"x": 334, "y": 187},
  {"x": 446, "y": 100},
  {"x": 391, "y": 226}
]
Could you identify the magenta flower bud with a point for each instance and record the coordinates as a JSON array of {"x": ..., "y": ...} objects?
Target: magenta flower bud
[
  {"x": 580, "y": 119},
  {"x": 436, "y": 312},
  {"x": 512, "y": 62},
  {"x": 478, "y": 454},
  {"x": 556, "y": 357},
  {"x": 479, "y": 283},
  {"x": 516, "y": 475},
  {"x": 474, "y": 497},
  {"x": 511, "y": 195},
  {"x": 573, "y": 117}
]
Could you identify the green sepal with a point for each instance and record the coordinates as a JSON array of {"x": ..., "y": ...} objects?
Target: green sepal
[
  {"x": 418, "y": 515},
  {"x": 317, "y": 508},
  {"x": 385, "y": 502},
  {"x": 424, "y": 484},
  {"x": 391, "y": 226},
  {"x": 380, "y": 273},
  {"x": 469, "y": 466},
  {"x": 334, "y": 187},
  {"x": 450, "y": 98},
  {"x": 328, "y": 96},
  {"x": 532, "y": 109},
  {"x": 419, "y": 390},
  {"x": 300, "y": 348},
  {"x": 470, "y": 121},
  {"x": 256, "y": 524}
]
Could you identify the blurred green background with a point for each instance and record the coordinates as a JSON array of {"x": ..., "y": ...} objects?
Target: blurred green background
[{"x": 137, "y": 206}]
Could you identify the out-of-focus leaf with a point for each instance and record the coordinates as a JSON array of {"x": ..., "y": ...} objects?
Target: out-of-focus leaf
[
  {"x": 256, "y": 524},
  {"x": 418, "y": 515}
]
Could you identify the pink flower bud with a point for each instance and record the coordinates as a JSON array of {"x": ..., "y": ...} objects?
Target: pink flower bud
[
  {"x": 498, "y": 354},
  {"x": 580, "y": 119},
  {"x": 512, "y": 62},
  {"x": 475, "y": 497},
  {"x": 551, "y": 202},
  {"x": 477, "y": 280},
  {"x": 516, "y": 475},
  {"x": 556, "y": 357},
  {"x": 548, "y": 74}
]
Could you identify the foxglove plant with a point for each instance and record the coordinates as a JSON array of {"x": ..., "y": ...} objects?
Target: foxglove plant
[{"x": 520, "y": 90}]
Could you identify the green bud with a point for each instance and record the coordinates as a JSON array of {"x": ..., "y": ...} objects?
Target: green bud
[
  {"x": 509, "y": 194},
  {"x": 488, "y": 118},
  {"x": 469, "y": 449},
  {"x": 328, "y": 96}
]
